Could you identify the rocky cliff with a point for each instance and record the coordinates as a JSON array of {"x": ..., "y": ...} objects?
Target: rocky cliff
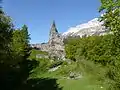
[
  {"x": 55, "y": 45},
  {"x": 93, "y": 27}
]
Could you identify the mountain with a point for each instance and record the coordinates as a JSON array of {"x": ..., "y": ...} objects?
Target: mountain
[
  {"x": 92, "y": 27},
  {"x": 55, "y": 44}
]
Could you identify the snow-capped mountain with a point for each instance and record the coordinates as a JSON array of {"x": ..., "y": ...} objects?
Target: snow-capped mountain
[{"x": 90, "y": 28}]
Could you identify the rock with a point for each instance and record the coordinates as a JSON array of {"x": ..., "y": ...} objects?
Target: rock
[
  {"x": 54, "y": 69},
  {"x": 55, "y": 45},
  {"x": 93, "y": 27},
  {"x": 74, "y": 75},
  {"x": 42, "y": 56}
]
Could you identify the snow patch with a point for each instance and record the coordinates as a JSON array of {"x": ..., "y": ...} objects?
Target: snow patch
[{"x": 93, "y": 23}]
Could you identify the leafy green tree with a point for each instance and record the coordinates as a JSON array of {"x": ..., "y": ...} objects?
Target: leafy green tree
[
  {"x": 111, "y": 18},
  {"x": 71, "y": 47}
]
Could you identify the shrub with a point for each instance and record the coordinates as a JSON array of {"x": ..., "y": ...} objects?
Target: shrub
[
  {"x": 43, "y": 67},
  {"x": 98, "y": 49}
]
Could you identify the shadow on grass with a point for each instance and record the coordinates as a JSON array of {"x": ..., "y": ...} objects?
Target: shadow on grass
[
  {"x": 41, "y": 84},
  {"x": 14, "y": 77},
  {"x": 14, "y": 74}
]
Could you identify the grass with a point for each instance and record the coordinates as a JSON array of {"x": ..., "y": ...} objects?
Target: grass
[
  {"x": 84, "y": 83},
  {"x": 88, "y": 81},
  {"x": 35, "y": 52}
]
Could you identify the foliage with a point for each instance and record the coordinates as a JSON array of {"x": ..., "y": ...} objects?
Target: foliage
[
  {"x": 97, "y": 49},
  {"x": 6, "y": 28},
  {"x": 14, "y": 66},
  {"x": 70, "y": 47},
  {"x": 35, "y": 52},
  {"x": 94, "y": 48},
  {"x": 20, "y": 42},
  {"x": 111, "y": 19},
  {"x": 56, "y": 63},
  {"x": 94, "y": 56},
  {"x": 43, "y": 67}
]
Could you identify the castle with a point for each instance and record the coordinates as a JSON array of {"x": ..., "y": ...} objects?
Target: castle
[{"x": 55, "y": 45}]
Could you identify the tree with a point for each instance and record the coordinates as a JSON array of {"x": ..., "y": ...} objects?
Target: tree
[
  {"x": 14, "y": 50},
  {"x": 20, "y": 42},
  {"x": 111, "y": 17},
  {"x": 6, "y": 29}
]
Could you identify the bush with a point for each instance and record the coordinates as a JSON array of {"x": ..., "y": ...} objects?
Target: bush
[
  {"x": 37, "y": 52},
  {"x": 43, "y": 67},
  {"x": 100, "y": 50},
  {"x": 94, "y": 72},
  {"x": 94, "y": 48}
]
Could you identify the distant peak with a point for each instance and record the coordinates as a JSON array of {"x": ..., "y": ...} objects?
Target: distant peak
[
  {"x": 53, "y": 30},
  {"x": 53, "y": 23},
  {"x": 90, "y": 27}
]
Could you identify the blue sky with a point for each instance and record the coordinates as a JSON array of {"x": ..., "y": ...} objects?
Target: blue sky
[{"x": 39, "y": 14}]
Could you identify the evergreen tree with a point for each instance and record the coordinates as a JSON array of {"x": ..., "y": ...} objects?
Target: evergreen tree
[
  {"x": 20, "y": 42},
  {"x": 6, "y": 29}
]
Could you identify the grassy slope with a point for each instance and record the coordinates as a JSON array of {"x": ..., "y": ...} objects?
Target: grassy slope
[
  {"x": 35, "y": 52},
  {"x": 85, "y": 83},
  {"x": 82, "y": 84}
]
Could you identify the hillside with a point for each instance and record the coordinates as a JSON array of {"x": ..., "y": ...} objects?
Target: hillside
[{"x": 92, "y": 27}]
